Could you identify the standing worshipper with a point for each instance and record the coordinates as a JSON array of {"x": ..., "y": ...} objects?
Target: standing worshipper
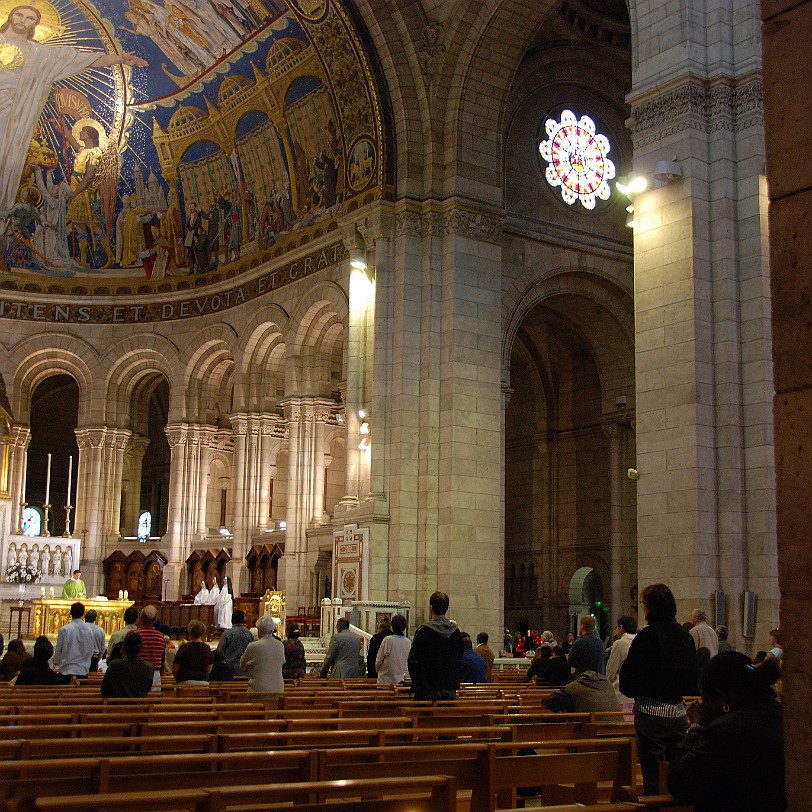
[
  {"x": 202, "y": 596},
  {"x": 154, "y": 643},
  {"x": 194, "y": 660},
  {"x": 703, "y": 633},
  {"x": 99, "y": 636},
  {"x": 75, "y": 645},
  {"x": 234, "y": 642},
  {"x": 130, "y": 621},
  {"x": 587, "y": 652},
  {"x": 435, "y": 659},
  {"x": 487, "y": 655},
  {"x": 660, "y": 669},
  {"x": 392, "y": 661},
  {"x": 383, "y": 631},
  {"x": 627, "y": 631},
  {"x": 295, "y": 666},
  {"x": 341, "y": 661},
  {"x": 214, "y": 595},
  {"x": 225, "y": 605},
  {"x": 263, "y": 660}
]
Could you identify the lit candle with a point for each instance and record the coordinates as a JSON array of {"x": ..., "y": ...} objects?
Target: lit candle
[
  {"x": 52, "y": 593},
  {"x": 42, "y": 591},
  {"x": 70, "y": 474},
  {"x": 121, "y": 594},
  {"x": 126, "y": 595},
  {"x": 48, "y": 483}
]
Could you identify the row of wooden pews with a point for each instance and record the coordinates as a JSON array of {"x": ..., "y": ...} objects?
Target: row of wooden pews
[{"x": 218, "y": 748}]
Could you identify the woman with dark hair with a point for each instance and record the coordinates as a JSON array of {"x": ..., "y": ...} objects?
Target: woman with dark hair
[
  {"x": 38, "y": 672},
  {"x": 732, "y": 756},
  {"x": 295, "y": 665},
  {"x": 659, "y": 670}
]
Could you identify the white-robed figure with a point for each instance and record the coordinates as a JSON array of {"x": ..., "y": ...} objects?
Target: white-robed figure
[
  {"x": 29, "y": 69},
  {"x": 214, "y": 596},
  {"x": 225, "y": 605},
  {"x": 202, "y": 595}
]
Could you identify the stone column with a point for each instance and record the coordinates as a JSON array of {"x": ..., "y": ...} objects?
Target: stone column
[
  {"x": 205, "y": 438},
  {"x": 93, "y": 499},
  {"x": 178, "y": 514},
  {"x": 21, "y": 437},
  {"x": 134, "y": 455},
  {"x": 306, "y": 418},
  {"x": 242, "y": 523}
]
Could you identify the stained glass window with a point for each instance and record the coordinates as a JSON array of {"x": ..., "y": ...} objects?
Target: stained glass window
[
  {"x": 144, "y": 526},
  {"x": 32, "y": 521},
  {"x": 577, "y": 159}
]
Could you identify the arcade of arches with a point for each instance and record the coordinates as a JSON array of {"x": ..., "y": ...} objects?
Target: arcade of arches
[{"x": 397, "y": 321}]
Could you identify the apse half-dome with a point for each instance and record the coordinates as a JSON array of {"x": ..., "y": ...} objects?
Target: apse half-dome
[{"x": 265, "y": 111}]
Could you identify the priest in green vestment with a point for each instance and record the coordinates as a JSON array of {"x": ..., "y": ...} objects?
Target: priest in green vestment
[{"x": 74, "y": 588}]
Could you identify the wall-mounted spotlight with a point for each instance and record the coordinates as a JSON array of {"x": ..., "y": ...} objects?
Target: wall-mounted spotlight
[
  {"x": 666, "y": 171},
  {"x": 364, "y": 444},
  {"x": 358, "y": 259},
  {"x": 630, "y": 216},
  {"x": 631, "y": 185}
]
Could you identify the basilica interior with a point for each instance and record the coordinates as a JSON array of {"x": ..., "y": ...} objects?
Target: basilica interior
[{"x": 358, "y": 300}]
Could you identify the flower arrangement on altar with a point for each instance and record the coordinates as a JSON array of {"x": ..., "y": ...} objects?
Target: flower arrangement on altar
[{"x": 23, "y": 574}]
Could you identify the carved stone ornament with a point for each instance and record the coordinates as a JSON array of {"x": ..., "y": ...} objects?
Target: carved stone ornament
[
  {"x": 462, "y": 222},
  {"x": 706, "y": 108}
]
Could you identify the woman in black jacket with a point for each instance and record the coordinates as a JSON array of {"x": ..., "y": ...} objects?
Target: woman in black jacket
[
  {"x": 732, "y": 756},
  {"x": 659, "y": 670}
]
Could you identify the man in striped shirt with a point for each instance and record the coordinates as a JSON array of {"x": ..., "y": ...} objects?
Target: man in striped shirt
[{"x": 154, "y": 644}]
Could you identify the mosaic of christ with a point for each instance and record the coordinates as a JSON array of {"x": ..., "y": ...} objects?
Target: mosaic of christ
[{"x": 161, "y": 139}]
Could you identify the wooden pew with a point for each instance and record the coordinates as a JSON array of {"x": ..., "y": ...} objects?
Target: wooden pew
[
  {"x": 22, "y": 781},
  {"x": 430, "y": 793},
  {"x": 298, "y": 739},
  {"x": 508, "y": 772},
  {"x": 97, "y": 745}
]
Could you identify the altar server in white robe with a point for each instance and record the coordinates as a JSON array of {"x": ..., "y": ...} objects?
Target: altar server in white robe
[
  {"x": 225, "y": 605},
  {"x": 202, "y": 596}
]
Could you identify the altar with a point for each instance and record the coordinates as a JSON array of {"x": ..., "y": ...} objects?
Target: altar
[{"x": 50, "y": 615}]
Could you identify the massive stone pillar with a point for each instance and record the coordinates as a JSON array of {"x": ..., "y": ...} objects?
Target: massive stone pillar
[
  {"x": 702, "y": 343},
  {"x": 437, "y": 371},
  {"x": 787, "y": 71}
]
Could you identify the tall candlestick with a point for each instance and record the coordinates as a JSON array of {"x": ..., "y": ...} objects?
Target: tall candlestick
[
  {"x": 48, "y": 483},
  {"x": 70, "y": 475}
]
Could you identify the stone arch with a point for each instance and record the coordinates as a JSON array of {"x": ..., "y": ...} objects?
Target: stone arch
[
  {"x": 315, "y": 342},
  {"x": 607, "y": 299},
  {"x": 488, "y": 47},
  {"x": 130, "y": 360},
  {"x": 42, "y": 356},
  {"x": 260, "y": 369},
  {"x": 394, "y": 31}
]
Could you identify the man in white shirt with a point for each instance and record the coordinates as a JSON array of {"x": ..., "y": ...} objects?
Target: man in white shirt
[
  {"x": 703, "y": 633},
  {"x": 75, "y": 645}
]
